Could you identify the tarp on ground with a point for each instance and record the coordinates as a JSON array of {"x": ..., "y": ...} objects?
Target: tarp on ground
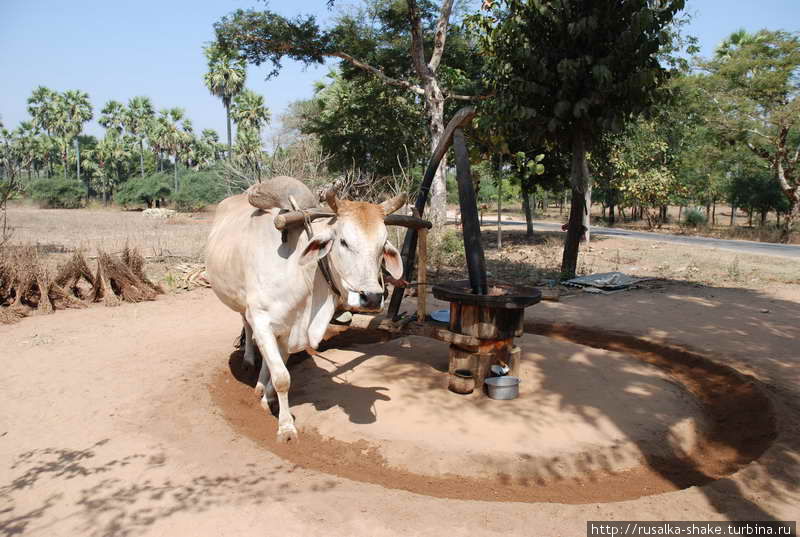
[{"x": 606, "y": 281}]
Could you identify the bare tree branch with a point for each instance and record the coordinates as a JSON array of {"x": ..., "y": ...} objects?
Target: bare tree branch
[
  {"x": 288, "y": 47},
  {"x": 759, "y": 151},
  {"x": 380, "y": 74},
  {"x": 470, "y": 98},
  {"x": 440, "y": 34},
  {"x": 417, "y": 49}
]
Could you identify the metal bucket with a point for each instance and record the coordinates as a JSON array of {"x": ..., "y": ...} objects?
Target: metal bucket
[{"x": 503, "y": 388}]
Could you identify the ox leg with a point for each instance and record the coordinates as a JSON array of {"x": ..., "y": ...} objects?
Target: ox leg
[
  {"x": 249, "y": 346},
  {"x": 274, "y": 355},
  {"x": 264, "y": 388}
]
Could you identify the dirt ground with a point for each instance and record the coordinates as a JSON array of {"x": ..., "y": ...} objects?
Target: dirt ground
[
  {"x": 134, "y": 420},
  {"x": 110, "y": 427}
]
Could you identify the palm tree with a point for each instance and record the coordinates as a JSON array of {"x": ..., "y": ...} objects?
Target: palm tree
[
  {"x": 172, "y": 136},
  {"x": 249, "y": 111},
  {"x": 28, "y": 144},
  {"x": 112, "y": 116},
  {"x": 107, "y": 160},
  {"x": 140, "y": 114},
  {"x": 41, "y": 107},
  {"x": 249, "y": 151},
  {"x": 209, "y": 147},
  {"x": 735, "y": 41},
  {"x": 72, "y": 110},
  {"x": 225, "y": 77}
]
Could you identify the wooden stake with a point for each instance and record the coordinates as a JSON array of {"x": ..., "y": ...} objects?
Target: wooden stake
[{"x": 422, "y": 275}]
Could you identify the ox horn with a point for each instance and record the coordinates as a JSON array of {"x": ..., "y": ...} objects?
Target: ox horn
[
  {"x": 391, "y": 205},
  {"x": 330, "y": 197}
]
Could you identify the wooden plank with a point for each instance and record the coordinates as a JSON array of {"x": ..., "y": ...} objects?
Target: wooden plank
[{"x": 422, "y": 276}]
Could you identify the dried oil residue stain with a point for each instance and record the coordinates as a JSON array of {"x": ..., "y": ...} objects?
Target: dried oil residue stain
[{"x": 742, "y": 418}]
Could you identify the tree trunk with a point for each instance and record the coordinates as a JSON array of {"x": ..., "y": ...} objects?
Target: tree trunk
[
  {"x": 228, "y": 117},
  {"x": 587, "y": 213},
  {"x": 714, "y": 212},
  {"x": 175, "y": 169},
  {"x": 141, "y": 154},
  {"x": 499, "y": 213},
  {"x": 763, "y": 217},
  {"x": 434, "y": 103},
  {"x": 680, "y": 212},
  {"x": 750, "y": 217},
  {"x": 581, "y": 181},
  {"x": 733, "y": 214},
  {"x": 526, "y": 206},
  {"x": 611, "y": 220}
]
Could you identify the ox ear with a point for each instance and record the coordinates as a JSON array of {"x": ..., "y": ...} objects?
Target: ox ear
[
  {"x": 394, "y": 263},
  {"x": 318, "y": 247}
]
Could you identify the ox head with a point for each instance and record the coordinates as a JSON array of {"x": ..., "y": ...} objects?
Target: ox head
[{"x": 357, "y": 244}]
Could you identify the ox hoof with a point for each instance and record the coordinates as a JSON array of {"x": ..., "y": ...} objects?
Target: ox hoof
[
  {"x": 259, "y": 390},
  {"x": 287, "y": 434}
]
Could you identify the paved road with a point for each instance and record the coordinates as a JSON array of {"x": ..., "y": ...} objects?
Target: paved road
[{"x": 745, "y": 247}]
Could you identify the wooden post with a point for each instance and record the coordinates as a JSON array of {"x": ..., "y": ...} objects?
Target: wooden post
[{"x": 422, "y": 276}]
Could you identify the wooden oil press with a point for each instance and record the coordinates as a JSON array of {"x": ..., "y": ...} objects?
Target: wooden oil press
[{"x": 485, "y": 316}]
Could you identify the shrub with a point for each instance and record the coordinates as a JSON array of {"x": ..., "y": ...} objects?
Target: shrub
[
  {"x": 447, "y": 249},
  {"x": 694, "y": 218},
  {"x": 58, "y": 193},
  {"x": 144, "y": 190},
  {"x": 199, "y": 189}
]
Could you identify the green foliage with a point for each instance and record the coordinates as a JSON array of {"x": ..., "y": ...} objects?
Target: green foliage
[
  {"x": 58, "y": 192},
  {"x": 694, "y": 218},
  {"x": 447, "y": 249},
  {"x": 754, "y": 189},
  {"x": 144, "y": 190},
  {"x": 199, "y": 189},
  {"x": 366, "y": 124},
  {"x": 573, "y": 68}
]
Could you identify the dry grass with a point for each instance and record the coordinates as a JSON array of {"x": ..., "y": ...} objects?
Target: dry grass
[
  {"x": 535, "y": 261},
  {"x": 28, "y": 286},
  {"x": 65, "y": 231}
]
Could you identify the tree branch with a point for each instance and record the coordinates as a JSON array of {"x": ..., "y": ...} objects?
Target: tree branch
[
  {"x": 470, "y": 98},
  {"x": 377, "y": 72},
  {"x": 417, "y": 49},
  {"x": 440, "y": 34},
  {"x": 763, "y": 153}
]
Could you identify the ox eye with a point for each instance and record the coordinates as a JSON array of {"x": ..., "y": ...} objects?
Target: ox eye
[{"x": 343, "y": 243}]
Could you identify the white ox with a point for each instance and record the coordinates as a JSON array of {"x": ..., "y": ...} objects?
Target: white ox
[{"x": 278, "y": 287}]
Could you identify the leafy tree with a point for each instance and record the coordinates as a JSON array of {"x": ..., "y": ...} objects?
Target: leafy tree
[
  {"x": 149, "y": 190},
  {"x": 570, "y": 71},
  {"x": 388, "y": 40},
  {"x": 643, "y": 170},
  {"x": 754, "y": 83},
  {"x": 365, "y": 124},
  {"x": 58, "y": 193},
  {"x": 200, "y": 189},
  {"x": 225, "y": 77}
]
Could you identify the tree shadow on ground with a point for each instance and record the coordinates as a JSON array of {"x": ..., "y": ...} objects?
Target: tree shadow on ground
[{"x": 121, "y": 507}]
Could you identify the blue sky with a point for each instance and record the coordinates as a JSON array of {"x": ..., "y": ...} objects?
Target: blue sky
[{"x": 115, "y": 50}]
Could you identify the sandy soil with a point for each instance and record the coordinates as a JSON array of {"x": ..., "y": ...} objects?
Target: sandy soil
[{"x": 111, "y": 426}]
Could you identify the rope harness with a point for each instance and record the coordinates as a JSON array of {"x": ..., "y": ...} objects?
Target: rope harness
[{"x": 322, "y": 263}]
